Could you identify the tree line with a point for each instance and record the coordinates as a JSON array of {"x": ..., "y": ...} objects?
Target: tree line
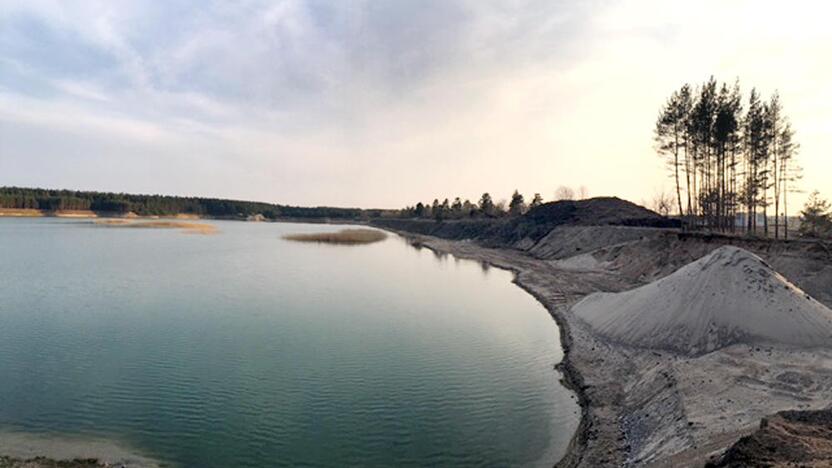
[
  {"x": 730, "y": 158},
  {"x": 485, "y": 207},
  {"x": 164, "y": 205}
]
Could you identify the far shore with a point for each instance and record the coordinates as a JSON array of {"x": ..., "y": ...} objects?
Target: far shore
[
  {"x": 35, "y": 213},
  {"x": 186, "y": 226},
  {"x": 87, "y": 214}
]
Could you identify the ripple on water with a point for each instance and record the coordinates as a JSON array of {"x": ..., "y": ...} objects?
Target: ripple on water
[{"x": 237, "y": 350}]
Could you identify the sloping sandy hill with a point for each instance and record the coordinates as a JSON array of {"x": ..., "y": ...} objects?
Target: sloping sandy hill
[{"x": 729, "y": 296}]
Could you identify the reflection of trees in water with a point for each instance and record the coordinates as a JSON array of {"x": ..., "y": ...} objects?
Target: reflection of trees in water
[{"x": 441, "y": 256}]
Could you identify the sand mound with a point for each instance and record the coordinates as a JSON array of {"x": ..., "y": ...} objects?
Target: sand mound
[{"x": 729, "y": 296}]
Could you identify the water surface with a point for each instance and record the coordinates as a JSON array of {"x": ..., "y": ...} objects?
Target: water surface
[{"x": 243, "y": 349}]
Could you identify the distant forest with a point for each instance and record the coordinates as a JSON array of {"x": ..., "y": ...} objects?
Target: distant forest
[
  {"x": 162, "y": 205},
  {"x": 730, "y": 158}
]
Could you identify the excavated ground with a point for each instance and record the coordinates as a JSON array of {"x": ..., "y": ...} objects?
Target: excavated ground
[
  {"x": 789, "y": 438},
  {"x": 644, "y": 407}
]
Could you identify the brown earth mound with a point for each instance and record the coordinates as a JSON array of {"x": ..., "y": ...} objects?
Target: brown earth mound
[
  {"x": 789, "y": 438},
  {"x": 597, "y": 211}
]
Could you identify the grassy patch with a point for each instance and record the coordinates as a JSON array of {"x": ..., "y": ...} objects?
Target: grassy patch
[{"x": 344, "y": 236}]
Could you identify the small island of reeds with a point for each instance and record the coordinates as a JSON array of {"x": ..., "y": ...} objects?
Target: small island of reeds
[{"x": 344, "y": 236}]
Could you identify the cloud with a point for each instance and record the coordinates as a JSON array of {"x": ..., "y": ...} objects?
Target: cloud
[{"x": 381, "y": 103}]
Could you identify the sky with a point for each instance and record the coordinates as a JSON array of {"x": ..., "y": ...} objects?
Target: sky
[{"x": 385, "y": 103}]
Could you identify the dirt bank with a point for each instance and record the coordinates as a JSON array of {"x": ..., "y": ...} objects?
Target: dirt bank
[{"x": 789, "y": 438}]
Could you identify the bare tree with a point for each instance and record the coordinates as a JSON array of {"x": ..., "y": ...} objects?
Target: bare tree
[
  {"x": 583, "y": 192},
  {"x": 564, "y": 193},
  {"x": 662, "y": 203}
]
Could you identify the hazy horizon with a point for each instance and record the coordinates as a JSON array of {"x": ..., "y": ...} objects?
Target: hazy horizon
[{"x": 383, "y": 104}]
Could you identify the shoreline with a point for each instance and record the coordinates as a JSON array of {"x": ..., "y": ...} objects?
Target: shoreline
[
  {"x": 89, "y": 214},
  {"x": 645, "y": 407},
  {"x": 571, "y": 377},
  {"x": 86, "y": 214},
  {"x": 19, "y": 449}
]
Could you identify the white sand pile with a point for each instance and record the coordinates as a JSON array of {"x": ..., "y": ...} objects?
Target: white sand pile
[{"x": 729, "y": 296}]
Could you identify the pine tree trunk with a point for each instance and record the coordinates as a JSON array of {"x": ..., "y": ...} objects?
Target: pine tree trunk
[{"x": 676, "y": 167}]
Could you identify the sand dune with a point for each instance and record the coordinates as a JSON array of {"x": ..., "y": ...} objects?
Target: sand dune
[{"x": 729, "y": 296}]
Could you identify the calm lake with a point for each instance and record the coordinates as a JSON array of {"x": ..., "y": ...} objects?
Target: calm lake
[{"x": 243, "y": 349}]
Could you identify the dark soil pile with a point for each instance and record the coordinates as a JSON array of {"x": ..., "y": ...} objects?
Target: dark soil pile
[
  {"x": 789, "y": 438},
  {"x": 534, "y": 225}
]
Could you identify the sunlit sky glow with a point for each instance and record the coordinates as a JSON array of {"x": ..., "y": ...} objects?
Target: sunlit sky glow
[{"x": 385, "y": 103}]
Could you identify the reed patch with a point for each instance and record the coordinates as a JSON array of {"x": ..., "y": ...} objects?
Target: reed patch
[{"x": 344, "y": 236}]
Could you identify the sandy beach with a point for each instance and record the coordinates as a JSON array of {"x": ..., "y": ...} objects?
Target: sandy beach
[{"x": 28, "y": 450}]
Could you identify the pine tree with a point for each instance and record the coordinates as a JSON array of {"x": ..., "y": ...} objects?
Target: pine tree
[
  {"x": 486, "y": 204},
  {"x": 517, "y": 206},
  {"x": 456, "y": 208},
  {"x": 815, "y": 219},
  {"x": 536, "y": 201}
]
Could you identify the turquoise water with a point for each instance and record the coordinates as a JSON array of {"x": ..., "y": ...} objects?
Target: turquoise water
[{"x": 243, "y": 349}]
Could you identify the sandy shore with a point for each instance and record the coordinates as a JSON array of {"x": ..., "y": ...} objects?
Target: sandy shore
[
  {"x": 187, "y": 227},
  {"x": 645, "y": 407},
  {"x": 36, "y": 213},
  {"x": 29, "y": 450}
]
